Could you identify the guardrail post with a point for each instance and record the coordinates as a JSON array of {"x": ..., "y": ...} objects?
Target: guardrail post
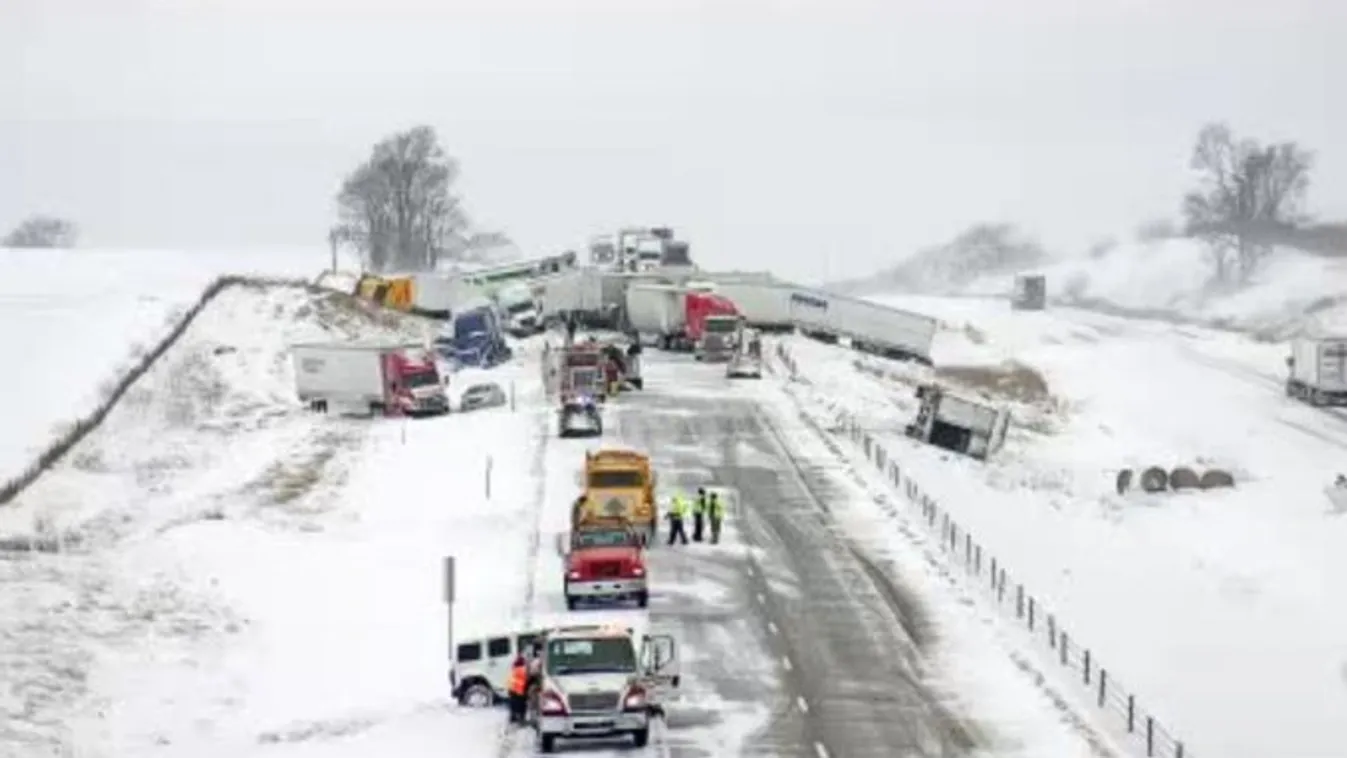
[
  {"x": 1086, "y": 666},
  {"x": 1019, "y": 601},
  {"x": 487, "y": 477},
  {"x": 1150, "y": 736},
  {"x": 1103, "y": 686},
  {"x": 977, "y": 560},
  {"x": 1065, "y": 646},
  {"x": 1031, "y": 613},
  {"x": 1052, "y": 632}
]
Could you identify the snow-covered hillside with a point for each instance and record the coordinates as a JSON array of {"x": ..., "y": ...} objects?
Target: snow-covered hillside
[
  {"x": 215, "y": 571},
  {"x": 1293, "y": 292},
  {"x": 72, "y": 321},
  {"x": 1191, "y": 599}
]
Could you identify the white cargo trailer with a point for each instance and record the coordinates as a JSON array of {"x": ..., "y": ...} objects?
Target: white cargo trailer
[
  {"x": 1317, "y": 371},
  {"x": 654, "y": 309},
  {"x": 387, "y": 378},
  {"x": 437, "y": 295},
  {"x": 871, "y": 327},
  {"x": 764, "y": 305},
  {"x": 578, "y": 291}
]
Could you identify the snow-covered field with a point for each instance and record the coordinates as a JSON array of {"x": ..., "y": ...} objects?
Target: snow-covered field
[
  {"x": 1218, "y": 608},
  {"x": 1292, "y": 292},
  {"x": 72, "y": 320}
]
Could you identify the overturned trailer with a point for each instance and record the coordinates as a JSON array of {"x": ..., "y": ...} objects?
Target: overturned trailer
[{"x": 958, "y": 424}]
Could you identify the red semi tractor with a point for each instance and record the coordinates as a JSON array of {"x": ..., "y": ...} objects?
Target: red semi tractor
[{"x": 703, "y": 322}]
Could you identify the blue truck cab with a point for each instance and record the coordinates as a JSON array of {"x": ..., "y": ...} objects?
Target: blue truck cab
[{"x": 476, "y": 336}]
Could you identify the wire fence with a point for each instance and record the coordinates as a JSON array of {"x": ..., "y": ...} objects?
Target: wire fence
[{"x": 1013, "y": 600}]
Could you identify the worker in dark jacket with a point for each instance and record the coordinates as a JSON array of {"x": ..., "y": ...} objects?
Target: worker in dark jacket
[
  {"x": 715, "y": 510},
  {"x": 698, "y": 514},
  {"x": 517, "y": 690}
]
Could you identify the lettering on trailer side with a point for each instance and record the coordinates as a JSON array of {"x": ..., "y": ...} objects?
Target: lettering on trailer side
[{"x": 809, "y": 300}]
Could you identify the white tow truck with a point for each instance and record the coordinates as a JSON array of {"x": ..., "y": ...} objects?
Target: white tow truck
[{"x": 600, "y": 681}]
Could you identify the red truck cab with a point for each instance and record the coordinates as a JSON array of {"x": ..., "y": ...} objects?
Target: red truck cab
[
  {"x": 606, "y": 563},
  {"x": 413, "y": 381}
]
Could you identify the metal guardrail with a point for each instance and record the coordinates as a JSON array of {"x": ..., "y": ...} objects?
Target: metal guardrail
[{"x": 1143, "y": 731}]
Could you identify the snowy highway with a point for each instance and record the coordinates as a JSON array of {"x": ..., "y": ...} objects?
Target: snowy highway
[{"x": 792, "y": 644}]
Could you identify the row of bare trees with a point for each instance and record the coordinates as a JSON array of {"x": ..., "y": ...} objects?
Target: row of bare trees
[{"x": 399, "y": 211}]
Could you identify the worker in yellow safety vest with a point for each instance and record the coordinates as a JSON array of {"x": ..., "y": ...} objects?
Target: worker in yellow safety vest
[{"x": 678, "y": 513}]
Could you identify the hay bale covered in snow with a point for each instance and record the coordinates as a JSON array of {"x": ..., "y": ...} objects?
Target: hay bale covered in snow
[
  {"x": 1184, "y": 478},
  {"x": 1155, "y": 479},
  {"x": 1216, "y": 478}
]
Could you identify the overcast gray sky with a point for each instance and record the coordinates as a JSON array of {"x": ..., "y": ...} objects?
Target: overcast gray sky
[{"x": 819, "y": 137}]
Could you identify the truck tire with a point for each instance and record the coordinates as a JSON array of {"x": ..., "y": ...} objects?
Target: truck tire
[
  {"x": 643, "y": 599},
  {"x": 641, "y": 737},
  {"x": 377, "y": 409},
  {"x": 638, "y": 383},
  {"x": 547, "y": 743},
  {"x": 570, "y": 603}
]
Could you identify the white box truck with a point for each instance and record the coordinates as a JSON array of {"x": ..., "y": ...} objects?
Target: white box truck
[
  {"x": 382, "y": 378},
  {"x": 1317, "y": 371}
]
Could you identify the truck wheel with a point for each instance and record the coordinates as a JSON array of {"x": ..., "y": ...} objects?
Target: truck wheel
[
  {"x": 571, "y": 603},
  {"x": 477, "y": 695},
  {"x": 377, "y": 409},
  {"x": 638, "y": 383},
  {"x": 641, "y": 737},
  {"x": 643, "y": 599},
  {"x": 547, "y": 743}
]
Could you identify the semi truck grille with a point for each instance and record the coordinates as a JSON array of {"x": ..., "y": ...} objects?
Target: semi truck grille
[
  {"x": 607, "y": 569},
  {"x": 594, "y": 701}
]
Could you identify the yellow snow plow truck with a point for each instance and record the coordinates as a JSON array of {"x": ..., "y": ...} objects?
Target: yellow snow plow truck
[{"x": 619, "y": 484}]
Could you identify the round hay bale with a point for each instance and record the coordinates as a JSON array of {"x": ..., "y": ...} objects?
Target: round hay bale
[
  {"x": 1216, "y": 478},
  {"x": 1124, "y": 481},
  {"x": 1184, "y": 478},
  {"x": 1155, "y": 479}
]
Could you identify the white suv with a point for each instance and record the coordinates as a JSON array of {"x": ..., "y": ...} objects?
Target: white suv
[{"x": 600, "y": 681}]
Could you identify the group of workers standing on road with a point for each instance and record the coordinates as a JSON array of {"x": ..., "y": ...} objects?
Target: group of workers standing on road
[{"x": 707, "y": 508}]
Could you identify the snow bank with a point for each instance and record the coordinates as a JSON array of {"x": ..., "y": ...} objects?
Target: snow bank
[
  {"x": 211, "y": 435},
  {"x": 72, "y": 321}
]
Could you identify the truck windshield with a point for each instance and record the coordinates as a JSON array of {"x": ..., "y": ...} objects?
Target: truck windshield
[
  {"x": 620, "y": 479},
  {"x": 421, "y": 379},
  {"x": 519, "y": 307},
  {"x": 720, "y": 325},
  {"x": 604, "y": 538},
  {"x": 468, "y": 324},
  {"x": 585, "y": 656},
  {"x": 582, "y": 360}
]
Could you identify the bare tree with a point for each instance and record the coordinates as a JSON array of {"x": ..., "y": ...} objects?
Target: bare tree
[
  {"x": 1249, "y": 196},
  {"x": 42, "y": 231},
  {"x": 398, "y": 207}
]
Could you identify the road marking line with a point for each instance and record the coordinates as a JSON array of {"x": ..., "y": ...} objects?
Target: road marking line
[
  {"x": 820, "y": 750},
  {"x": 786, "y": 663},
  {"x": 799, "y": 701},
  {"x": 771, "y": 627}
]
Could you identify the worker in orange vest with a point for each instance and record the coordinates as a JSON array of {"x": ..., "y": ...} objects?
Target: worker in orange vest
[{"x": 518, "y": 689}]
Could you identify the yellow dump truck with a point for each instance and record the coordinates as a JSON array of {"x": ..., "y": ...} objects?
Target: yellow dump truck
[{"x": 618, "y": 484}]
